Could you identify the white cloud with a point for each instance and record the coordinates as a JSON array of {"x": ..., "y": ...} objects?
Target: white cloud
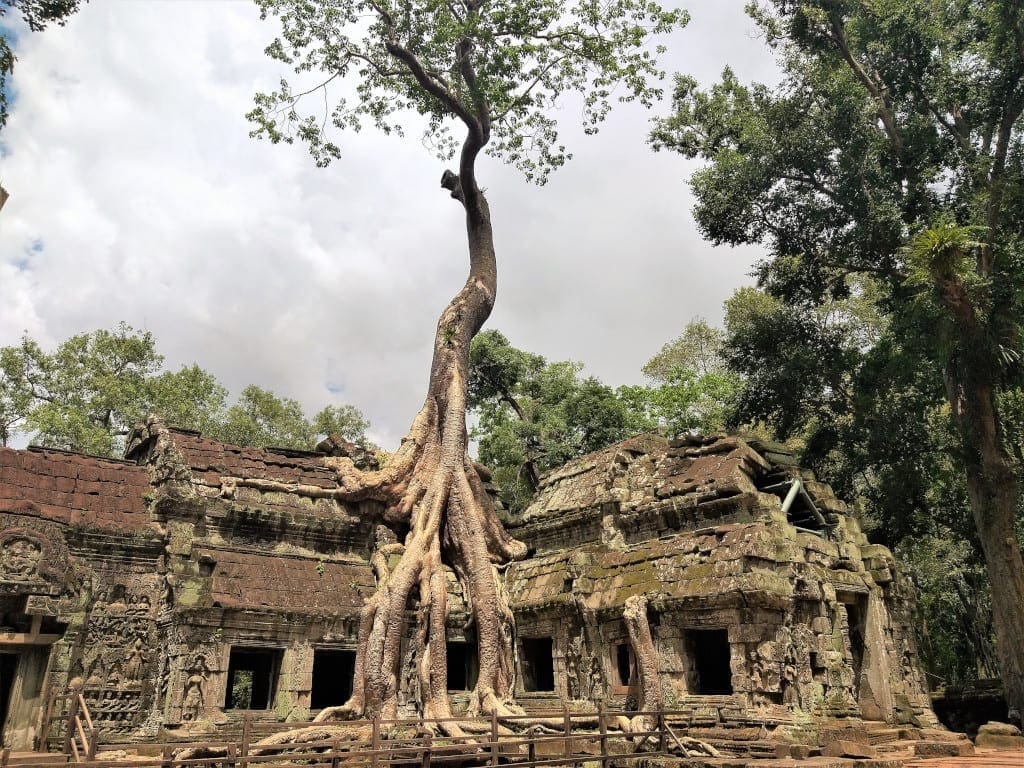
[{"x": 128, "y": 158}]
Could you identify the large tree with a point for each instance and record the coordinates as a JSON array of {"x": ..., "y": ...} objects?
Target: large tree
[
  {"x": 892, "y": 151},
  {"x": 88, "y": 393},
  {"x": 496, "y": 69}
]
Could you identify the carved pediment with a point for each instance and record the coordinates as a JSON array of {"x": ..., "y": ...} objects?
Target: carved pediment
[{"x": 33, "y": 555}]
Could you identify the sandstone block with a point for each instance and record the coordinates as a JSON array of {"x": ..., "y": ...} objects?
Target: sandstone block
[
  {"x": 994, "y": 728},
  {"x": 943, "y": 749},
  {"x": 844, "y": 748},
  {"x": 994, "y": 735}
]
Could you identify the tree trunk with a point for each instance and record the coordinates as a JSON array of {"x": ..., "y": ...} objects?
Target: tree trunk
[
  {"x": 431, "y": 485},
  {"x": 634, "y": 615},
  {"x": 993, "y": 490}
]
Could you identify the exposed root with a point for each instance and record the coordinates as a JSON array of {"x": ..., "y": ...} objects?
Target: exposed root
[
  {"x": 638, "y": 628},
  {"x": 312, "y": 733},
  {"x": 690, "y": 747}
]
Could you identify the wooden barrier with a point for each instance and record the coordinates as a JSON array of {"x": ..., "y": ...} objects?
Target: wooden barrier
[{"x": 399, "y": 743}]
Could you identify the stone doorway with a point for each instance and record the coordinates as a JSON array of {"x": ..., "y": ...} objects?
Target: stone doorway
[
  {"x": 8, "y": 667},
  {"x": 463, "y": 665},
  {"x": 538, "y": 664},
  {"x": 252, "y": 678},
  {"x": 333, "y": 671},
  {"x": 709, "y": 652},
  {"x": 21, "y": 695}
]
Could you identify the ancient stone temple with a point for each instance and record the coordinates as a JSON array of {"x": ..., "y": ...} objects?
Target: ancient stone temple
[{"x": 194, "y": 581}]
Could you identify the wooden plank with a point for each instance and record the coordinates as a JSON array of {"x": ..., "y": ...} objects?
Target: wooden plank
[{"x": 494, "y": 737}]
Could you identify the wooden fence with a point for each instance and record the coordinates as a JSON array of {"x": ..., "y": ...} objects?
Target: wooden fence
[{"x": 553, "y": 739}]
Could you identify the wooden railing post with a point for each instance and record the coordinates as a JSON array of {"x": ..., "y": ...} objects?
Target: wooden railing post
[
  {"x": 246, "y": 739},
  {"x": 662, "y": 736},
  {"x": 494, "y": 737},
  {"x": 375, "y": 741},
  {"x": 166, "y": 756},
  {"x": 335, "y": 748},
  {"x": 90, "y": 752},
  {"x": 602, "y": 729},
  {"x": 69, "y": 728},
  {"x": 5, "y": 757},
  {"x": 229, "y": 760},
  {"x": 567, "y": 718},
  {"x": 427, "y": 741}
]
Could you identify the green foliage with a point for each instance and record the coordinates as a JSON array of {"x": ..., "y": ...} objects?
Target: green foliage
[
  {"x": 692, "y": 387},
  {"x": 533, "y": 416},
  {"x": 261, "y": 418},
  {"x": 504, "y": 65},
  {"x": 884, "y": 176},
  {"x": 241, "y": 690},
  {"x": 684, "y": 401},
  {"x": 954, "y": 608},
  {"x": 88, "y": 393},
  {"x": 36, "y": 14},
  {"x": 697, "y": 349},
  {"x": 345, "y": 420}
]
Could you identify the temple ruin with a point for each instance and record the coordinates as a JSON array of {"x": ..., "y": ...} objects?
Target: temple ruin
[{"x": 195, "y": 581}]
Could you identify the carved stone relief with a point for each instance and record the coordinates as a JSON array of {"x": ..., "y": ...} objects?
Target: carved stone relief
[{"x": 33, "y": 555}]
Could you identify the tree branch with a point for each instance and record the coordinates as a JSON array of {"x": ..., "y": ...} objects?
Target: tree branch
[{"x": 877, "y": 89}]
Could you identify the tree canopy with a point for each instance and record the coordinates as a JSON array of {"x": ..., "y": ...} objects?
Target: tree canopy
[
  {"x": 504, "y": 65},
  {"x": 887, "y": 164},
  {"x": 534, "y": 415},
  {"x": 93, "y": 388}
]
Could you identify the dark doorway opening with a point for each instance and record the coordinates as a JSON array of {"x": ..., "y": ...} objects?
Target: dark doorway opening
[
  {"x": 333, "y": 671},
  {"x": 709, "y": 653},
  {"x": 538, "y": 664},
  {"x": 8, "y": 668},
  {"x": 252, "y": 678},
  {"x": 463, "y": 665},
  {"x": 856, "y": 613},
  {"x": 623, "y": 660}
]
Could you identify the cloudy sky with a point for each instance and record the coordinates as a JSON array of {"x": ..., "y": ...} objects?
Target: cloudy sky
[{"x": 137, "y": 195}]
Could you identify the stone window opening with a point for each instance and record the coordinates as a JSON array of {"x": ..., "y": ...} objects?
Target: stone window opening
[
  {"x": 463, "y": 665},
  {"x": 538, "y": 664},
  {"x": 623, "y": 665},
  {"x": 333, "y": 672},
  {"x": 711, "y": 672},
  {"x": 252, "y": 678}
]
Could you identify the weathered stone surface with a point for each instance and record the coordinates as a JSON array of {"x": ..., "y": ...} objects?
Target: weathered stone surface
[
  {"x": 943, "y": 748},
  {"x": 163, "y": 573},
  {"x": 999, "y": 729},
  {"x": 993, "y": 735},
  {"x": 843, "y": 748}
]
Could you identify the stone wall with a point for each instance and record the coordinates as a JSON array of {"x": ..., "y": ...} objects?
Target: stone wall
[{"x": 195, "y": 581}]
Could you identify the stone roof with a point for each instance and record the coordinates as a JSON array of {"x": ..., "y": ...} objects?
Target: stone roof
[
  {"x": 698, "y": 520},
  {"x": 292, "y": 584},
  {"x": 709, "y": 567},
  {"x": 76, "y": 489},
  {"x": 210, "y": 460},
  {"x": 648, "y": 468}
]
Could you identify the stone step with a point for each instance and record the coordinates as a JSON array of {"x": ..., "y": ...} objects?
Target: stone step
[
  {"x": 878, "y": 736},
  {"x": 36, "y": 759}
]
